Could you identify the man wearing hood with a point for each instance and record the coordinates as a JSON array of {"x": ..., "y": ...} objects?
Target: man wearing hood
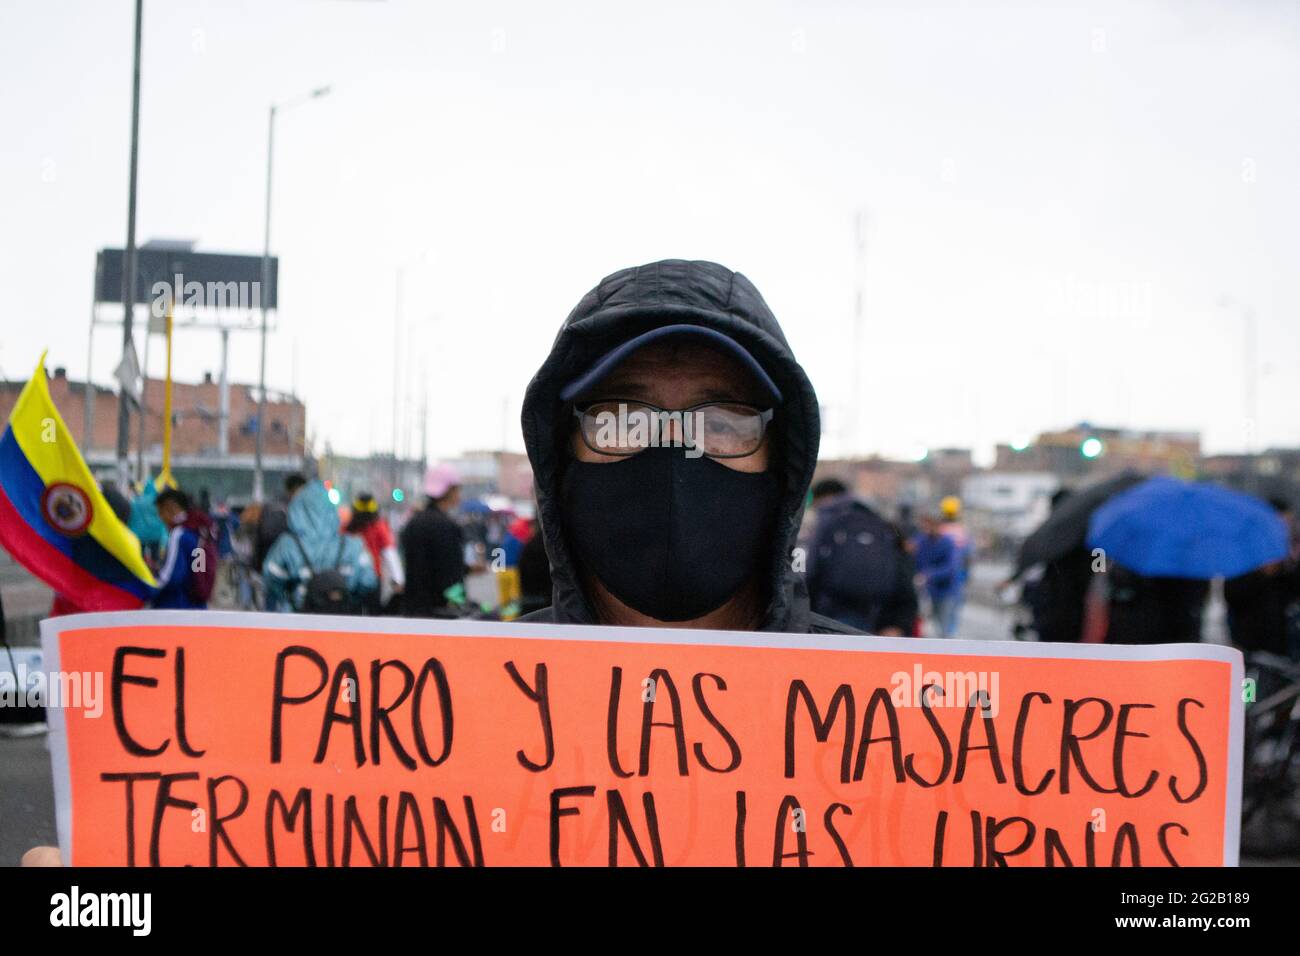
[
  {"x": 313, "y": 547},
  {"x": 673, "y": 438}
]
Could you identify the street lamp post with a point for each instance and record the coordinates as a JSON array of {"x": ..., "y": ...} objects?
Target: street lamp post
[
  {"x": 258, "y": 480},
  {"x": 423, "y": 259},
  {"x": 1250, "y": 382},
  {"x": 1250, "y": 371}
]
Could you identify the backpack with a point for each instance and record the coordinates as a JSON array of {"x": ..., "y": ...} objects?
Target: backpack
[
  {"x": 857, "y": 556},
  {"x": 200, "y": 583},
  {"x": 328, "y": 591}
]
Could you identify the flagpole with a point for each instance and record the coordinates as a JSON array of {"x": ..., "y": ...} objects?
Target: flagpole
[
  {"x": 141, "y": 469},
  {"x": 165, "y": 476}
]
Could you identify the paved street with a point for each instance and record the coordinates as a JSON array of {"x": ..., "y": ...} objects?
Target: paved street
[
  {"x": 983, "y": 622},
  {"x": 26, "y": 796}
]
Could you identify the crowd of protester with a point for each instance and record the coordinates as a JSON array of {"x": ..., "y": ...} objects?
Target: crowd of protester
[
  {"x": 313, "y": 557},
  {"x": 901, "y": 577},
  {"x": 887, "y": 577},
  {"x": 300, "y": 552}
]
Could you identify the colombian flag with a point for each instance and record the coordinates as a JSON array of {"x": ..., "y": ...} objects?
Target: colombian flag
[{"x": 53, "y": 518}]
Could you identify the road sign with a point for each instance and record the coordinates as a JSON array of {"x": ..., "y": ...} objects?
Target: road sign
[{"x": 128, "y": 374}]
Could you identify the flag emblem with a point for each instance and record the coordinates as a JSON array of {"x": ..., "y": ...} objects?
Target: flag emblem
[{"x": 67, "y": 508}]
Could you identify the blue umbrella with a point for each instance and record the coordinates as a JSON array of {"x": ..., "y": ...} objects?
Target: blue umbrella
[
  {"x": 475, "y": 506},
  {"x": 1181, "y": 529}
]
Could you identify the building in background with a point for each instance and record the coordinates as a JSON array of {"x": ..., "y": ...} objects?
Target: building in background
[
  {"x": 887, "y": 483},
  {"x": 394, "y": 483},
  {"x": 1086, "y": 451},
  {"x": 497, "y": 478},
  {"x": 1003, "y": 504},
  {"x": 503, "y": 474},
  {"x": 1274, "y": 473},
  {"x": 204, "y": 455},
  {"x": 1001, "y": 508}
]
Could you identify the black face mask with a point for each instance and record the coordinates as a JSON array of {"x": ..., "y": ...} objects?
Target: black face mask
[{"x": 669, "y": 536}]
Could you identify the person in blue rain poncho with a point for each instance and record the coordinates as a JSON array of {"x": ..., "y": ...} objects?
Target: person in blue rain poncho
[{"x": 313, "y": 566}]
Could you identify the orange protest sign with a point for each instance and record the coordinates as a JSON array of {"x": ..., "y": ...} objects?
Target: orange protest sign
[{"x": 226, "y": 738}]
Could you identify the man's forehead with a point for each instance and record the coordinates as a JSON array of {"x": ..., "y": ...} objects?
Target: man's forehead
[{"x": 683, "y": 364}]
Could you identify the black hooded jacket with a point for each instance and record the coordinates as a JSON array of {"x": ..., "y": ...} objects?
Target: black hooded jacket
[{"x": 625, "y": 305}]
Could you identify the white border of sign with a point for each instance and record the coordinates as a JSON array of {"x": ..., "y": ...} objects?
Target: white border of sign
[{"x": 51, "y": 628}]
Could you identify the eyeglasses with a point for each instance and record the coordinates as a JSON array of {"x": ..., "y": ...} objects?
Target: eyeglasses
[{"x": 717, "y": 429}]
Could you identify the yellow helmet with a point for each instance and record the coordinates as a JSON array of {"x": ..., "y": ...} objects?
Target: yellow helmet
[{"x": 950, "y": 506}]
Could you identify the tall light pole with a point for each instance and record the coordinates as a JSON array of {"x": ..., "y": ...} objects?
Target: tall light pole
[
  {"x": 258, "y": 481},
  {"x": 1250, "y": 370},
  {"x": 128, "y": 271},
  {"x": 423, "y": 259}
]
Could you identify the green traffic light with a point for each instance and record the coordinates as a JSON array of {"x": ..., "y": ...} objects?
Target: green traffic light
[{"x": 1091, "y": 448}]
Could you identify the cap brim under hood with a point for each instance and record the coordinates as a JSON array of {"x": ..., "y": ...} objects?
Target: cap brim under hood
[{"x": 629, "y": 303}]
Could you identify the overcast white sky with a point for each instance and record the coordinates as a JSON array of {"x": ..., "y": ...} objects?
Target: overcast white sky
[{"x": 1057, "y": 197}]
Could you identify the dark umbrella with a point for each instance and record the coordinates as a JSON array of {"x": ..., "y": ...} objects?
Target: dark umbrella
[
  {"x": 1182, "y": 529},
  {"x": 1067, "y": 526}
]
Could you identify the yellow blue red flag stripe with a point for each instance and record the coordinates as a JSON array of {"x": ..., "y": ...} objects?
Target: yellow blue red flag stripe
[{"x": 53, "y": 518}]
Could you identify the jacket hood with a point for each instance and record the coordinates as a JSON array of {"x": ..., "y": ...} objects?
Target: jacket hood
[
  {"x": 624, "y": 305},
  {"x": 315, "y": 520}
]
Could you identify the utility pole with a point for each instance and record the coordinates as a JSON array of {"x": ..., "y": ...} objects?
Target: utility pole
[
  {"x": 88, "y": 426},
  {"x": 424, "y": 419},
  {"x": 1250, "y": 370},
  {"x": 144, "y": 395},
  {"x": 399, "y": 280},
  {"x": 258, "y": 480},
  {"x": 397, "y": 360},
  {"x": 1251, "y": 378},
  {"x": 129, "y": 268},
  {"x": 223, "y": 400}
]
